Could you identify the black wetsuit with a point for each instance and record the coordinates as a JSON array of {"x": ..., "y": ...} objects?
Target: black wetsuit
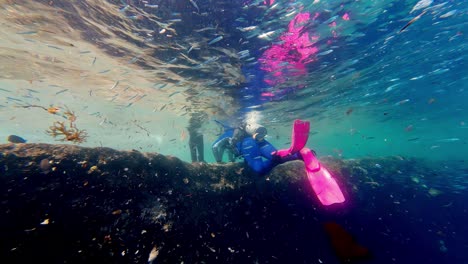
[{"x": 196, "y": 143}]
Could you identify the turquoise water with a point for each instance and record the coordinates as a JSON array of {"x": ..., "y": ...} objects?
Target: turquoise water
[
  {"x": 134, "y": 72},
  {"x": 374, "y": 78}
]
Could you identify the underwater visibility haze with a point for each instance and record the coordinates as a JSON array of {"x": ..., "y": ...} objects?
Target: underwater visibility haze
[{"x": 381, "y": 82}]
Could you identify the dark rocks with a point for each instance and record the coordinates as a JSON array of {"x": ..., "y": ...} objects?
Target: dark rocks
[{"x": 68, "y": 204}]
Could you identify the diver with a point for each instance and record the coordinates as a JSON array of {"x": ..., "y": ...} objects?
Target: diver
[
  {"x": 248, "y": 141},
  {"x": 224, "y": 144},
  {"x": 196, "y": 142}
]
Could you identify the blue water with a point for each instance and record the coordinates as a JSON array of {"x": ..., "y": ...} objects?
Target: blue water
[{"x": 369, "y": 89}]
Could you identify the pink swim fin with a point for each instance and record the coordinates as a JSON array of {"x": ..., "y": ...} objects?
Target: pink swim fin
[
  {"x": 323, "y": 184},
  {"x": 299, "y": 136}
]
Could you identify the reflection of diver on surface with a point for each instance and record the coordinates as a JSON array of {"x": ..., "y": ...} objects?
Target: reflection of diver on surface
[{"x": 196, "y": 143}]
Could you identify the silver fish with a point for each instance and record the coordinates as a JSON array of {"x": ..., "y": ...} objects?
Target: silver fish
[
  {"x": 115, "y": 85},
  {"x": 448, "y": 140},
  {"x": 195, "y": 5},
  {"x": 421, "y": 4},
  {"x": 61, "y": 91},
  {"x": 151, "y": 6},
  {"x": 330, "y": 20},
  {"x": 325, "y": 53},
  {"x": 30, "y": 32},
  {"x": 213, "y": 41},
  {"x": 123, "y": 9}
]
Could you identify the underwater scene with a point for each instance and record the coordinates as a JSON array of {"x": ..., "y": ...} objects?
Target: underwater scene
[{"x": 233, "y": 131}]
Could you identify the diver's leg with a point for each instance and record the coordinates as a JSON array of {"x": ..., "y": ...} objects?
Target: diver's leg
[
  {"x": 193, "y": 149},
  {"x": 219, "y": 147},
  {"x": 200, "y": 147},
  {"x": 269, "y": 152},
  {"x": 231, "y": 155},
  {"x": 253, "y": 156},
  {"x": 266, "y": 149},
  {"x": 216, "y": 147},
  {"x": 216, "y": 152}
]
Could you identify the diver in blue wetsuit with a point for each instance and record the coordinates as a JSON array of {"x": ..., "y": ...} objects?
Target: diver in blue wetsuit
[
  {"x": 222, "y": 144},
  {"x": 248, "y": 141},
  {"x": 256, "y": 150}
]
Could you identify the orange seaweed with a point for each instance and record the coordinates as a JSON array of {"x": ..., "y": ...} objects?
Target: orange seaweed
[
  {"x": 68, "y": 133},
  {"x": 72, "y": 133}
]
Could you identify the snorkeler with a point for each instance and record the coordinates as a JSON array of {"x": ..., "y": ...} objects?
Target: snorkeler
[{"x": 248, "y": 141}]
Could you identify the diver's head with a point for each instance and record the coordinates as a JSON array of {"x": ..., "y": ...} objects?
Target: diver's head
[{"x": 260, "y": 133}]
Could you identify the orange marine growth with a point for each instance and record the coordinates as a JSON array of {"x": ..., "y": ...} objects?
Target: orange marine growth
[
  {"x": 72, "y": 133},
  {"x": 53, "y": 110},
  {"x": 67, "y": 133},
  {"x": 70, "y": 115}
]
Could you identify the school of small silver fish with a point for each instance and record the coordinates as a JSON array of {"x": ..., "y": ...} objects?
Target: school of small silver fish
[{"x": 132, "y": 63}]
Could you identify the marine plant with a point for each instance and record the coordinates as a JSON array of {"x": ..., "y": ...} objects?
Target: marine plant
[{"x": 67, "y": 133}]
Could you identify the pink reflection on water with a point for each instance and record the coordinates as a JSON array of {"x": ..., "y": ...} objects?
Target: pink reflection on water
[
  {"x": 293, "y": 52},
  {"x": 345, "y": 16}
]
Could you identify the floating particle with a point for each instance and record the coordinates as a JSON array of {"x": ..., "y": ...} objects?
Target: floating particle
[
  {"x": 434, "y": 192},
  {"x": 117, "y": 212},
  {"x": 153, "y": 254}
]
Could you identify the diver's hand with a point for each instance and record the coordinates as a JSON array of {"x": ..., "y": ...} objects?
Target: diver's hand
[{"x": 233, "y": 148}]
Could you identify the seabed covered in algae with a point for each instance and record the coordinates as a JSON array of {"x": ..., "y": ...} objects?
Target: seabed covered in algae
[{"x": 69, "y": 204}]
